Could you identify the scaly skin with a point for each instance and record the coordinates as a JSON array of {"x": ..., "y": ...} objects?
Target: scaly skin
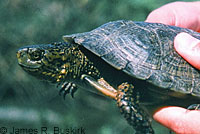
[
  {"x": 65, "y": 63},
  {"x": 56, "y": 62},
  {"x": 128, "y": 102}
]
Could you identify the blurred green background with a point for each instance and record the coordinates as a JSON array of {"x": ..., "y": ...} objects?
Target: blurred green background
[{"x": 26, "y": 102}]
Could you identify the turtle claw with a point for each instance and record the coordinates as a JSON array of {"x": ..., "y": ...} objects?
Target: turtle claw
[
  {"x": 194, "y": 107},
  {"x": 66, "y": 88},
  {"x": 73, "y": 90}
]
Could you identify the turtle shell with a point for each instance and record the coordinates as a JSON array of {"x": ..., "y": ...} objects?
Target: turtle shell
[{"x": 144, "y": 51}]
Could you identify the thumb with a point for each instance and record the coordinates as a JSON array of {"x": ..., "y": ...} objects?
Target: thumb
[{"x": 189, "y": 48}]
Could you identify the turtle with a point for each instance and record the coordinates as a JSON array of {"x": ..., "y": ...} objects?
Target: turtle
[{"x": 132, "y": 62}]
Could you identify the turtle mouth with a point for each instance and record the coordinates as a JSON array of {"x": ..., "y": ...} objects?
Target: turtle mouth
[{"x": 28, "y": 66}]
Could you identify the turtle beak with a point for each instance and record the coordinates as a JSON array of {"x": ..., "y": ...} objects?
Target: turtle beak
[
  {"x": 22, "y": 55},
  {"x": 24, "y": 61}
]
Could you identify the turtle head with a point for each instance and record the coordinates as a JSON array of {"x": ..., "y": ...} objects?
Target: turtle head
[{"x": 53, "y": 62}]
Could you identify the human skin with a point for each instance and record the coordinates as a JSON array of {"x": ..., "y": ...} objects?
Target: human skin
[{"x": 186, "y": 15}]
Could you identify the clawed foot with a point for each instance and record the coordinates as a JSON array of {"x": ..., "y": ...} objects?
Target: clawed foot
[
  {"x": 66, "y": 88},
  {"x": 194, "y": 107}
]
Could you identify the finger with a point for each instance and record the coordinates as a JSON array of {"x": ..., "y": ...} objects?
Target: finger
[
  {"x": 179, "y": 120},
  {"x": 189, "y": 48},
  {"x": 163, "y": 15},
  {"x": 181, "y": 14}
]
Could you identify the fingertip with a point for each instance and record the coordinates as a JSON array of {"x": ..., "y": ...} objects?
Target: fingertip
[
  {"x": 160, "y": 16},
  {"x": 178, "y": 119},
  {"x": 170, "y": 117},
  {"x": 184, "y": 41},
  {"x": 162, "y": 115},
  {"x": 189, "y": 48}
]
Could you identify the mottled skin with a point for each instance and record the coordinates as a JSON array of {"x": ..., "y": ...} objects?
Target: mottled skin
[
  {"x": 113, "y": 57},
  {"x": 55, "y": 62}
]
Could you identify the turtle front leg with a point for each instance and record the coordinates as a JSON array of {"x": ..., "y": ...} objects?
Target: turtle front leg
[{"x": 128, "y": 102}]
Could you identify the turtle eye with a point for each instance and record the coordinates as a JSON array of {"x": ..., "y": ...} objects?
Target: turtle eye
[{"x": 35, "y": 55}]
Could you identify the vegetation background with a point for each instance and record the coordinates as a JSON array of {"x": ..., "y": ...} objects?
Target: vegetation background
[{"x": 26, "y": 102}]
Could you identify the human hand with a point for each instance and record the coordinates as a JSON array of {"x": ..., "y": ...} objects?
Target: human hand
[{"x": 187, "y": 15}]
